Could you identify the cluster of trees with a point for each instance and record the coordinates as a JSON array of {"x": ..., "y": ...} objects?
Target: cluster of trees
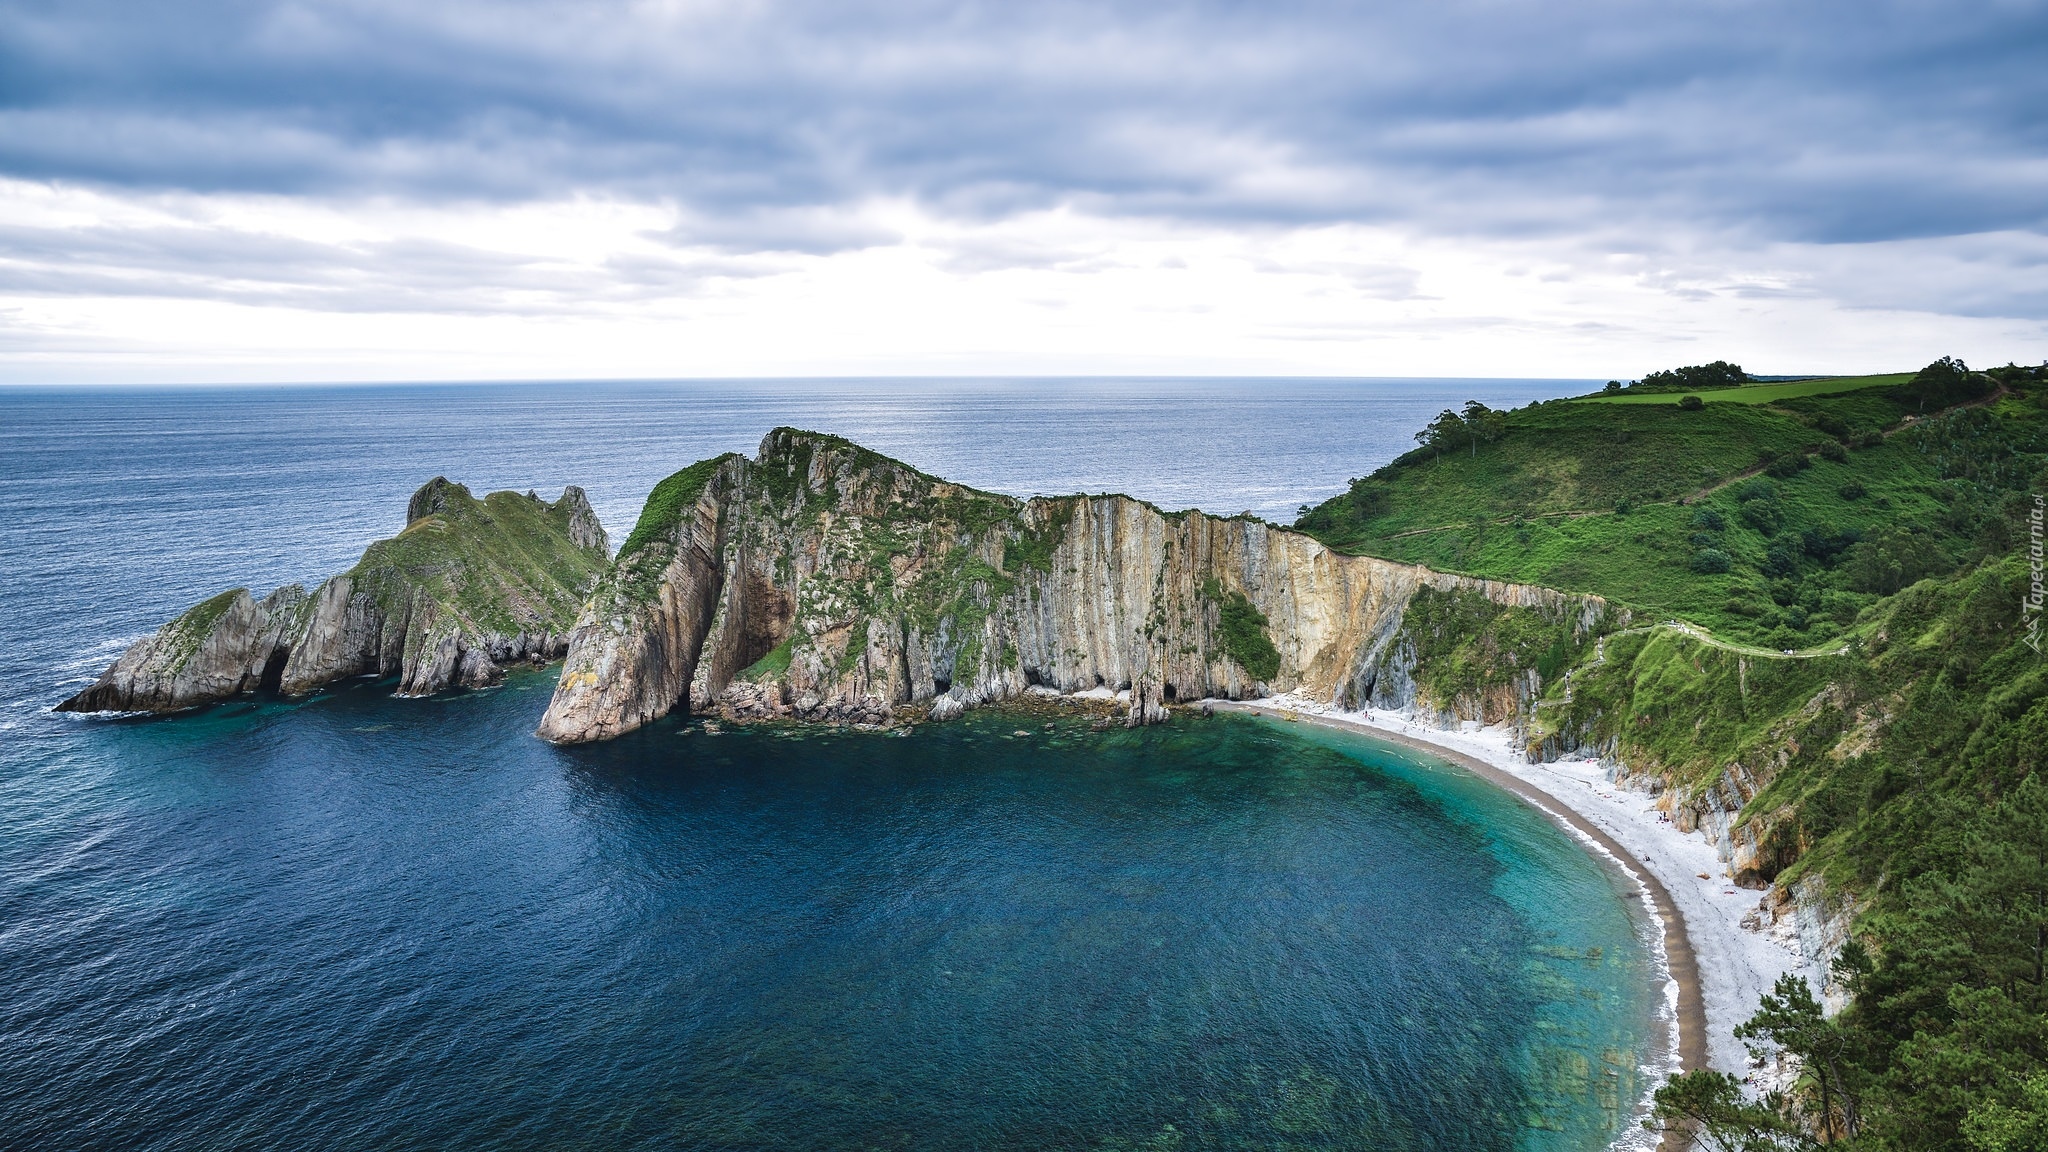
[
  {"x": 1692, "y": 378},
  {"x": 1942, "y": 384},
  {"x": 1477, "y": 424},
  {"x": 1719, "y": 374}
]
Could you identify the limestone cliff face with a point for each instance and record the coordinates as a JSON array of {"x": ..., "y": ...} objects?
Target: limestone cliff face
[
  {"x": 469, "y": 586},
  {"x": 823, "y": 581}
]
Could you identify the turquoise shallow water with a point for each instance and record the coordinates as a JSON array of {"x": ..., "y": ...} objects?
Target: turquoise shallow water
[{"x": 365, "y": 922}]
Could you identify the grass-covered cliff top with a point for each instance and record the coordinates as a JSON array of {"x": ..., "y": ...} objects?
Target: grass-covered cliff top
[
  {"x": 670, "y": 501},
  {"x": 504, "y": 564},
  {"x": 1774, "y": 522}
]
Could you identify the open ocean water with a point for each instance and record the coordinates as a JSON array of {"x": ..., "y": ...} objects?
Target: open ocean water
[{"x": 360, "y": 922}]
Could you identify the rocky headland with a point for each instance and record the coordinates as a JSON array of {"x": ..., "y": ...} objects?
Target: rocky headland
[
  {"x": 469, "y": 586},
  {"x": 822, "y": 581}
]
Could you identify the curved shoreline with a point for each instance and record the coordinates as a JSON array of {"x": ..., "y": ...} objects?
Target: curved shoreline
[{"x": 1680, "y": 960}]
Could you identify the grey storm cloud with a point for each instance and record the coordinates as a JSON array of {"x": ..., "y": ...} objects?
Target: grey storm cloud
[{"x": 1808, "y": 122}]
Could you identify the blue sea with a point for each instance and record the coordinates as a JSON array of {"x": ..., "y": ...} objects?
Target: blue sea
[{"x": 361, "y": 922}]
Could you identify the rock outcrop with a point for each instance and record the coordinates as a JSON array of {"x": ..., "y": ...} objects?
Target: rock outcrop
[
  {"x": 468, "y": 587},
  {"x": 226, "y": 646},
  {"x": 834, "y": 583}
]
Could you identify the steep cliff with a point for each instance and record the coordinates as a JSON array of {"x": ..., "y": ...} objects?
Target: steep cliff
[
  {"x": 469, "y": 586},
  {"x": 824, "y": 581}
]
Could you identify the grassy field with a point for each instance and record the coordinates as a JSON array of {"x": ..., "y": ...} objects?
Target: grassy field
[
  {"x": 1761, "y": 393},
  {"x": 1774, "y": 525}
]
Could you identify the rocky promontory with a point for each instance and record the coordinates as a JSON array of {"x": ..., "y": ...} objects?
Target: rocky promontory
[
  {"x": 823, "y": 581},
  {"x": 469, "y": 586}
]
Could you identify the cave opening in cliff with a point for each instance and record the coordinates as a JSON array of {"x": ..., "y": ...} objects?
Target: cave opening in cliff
[
  {"x": 1168, "y": 691},
  {"x": 273, "y": 671}
]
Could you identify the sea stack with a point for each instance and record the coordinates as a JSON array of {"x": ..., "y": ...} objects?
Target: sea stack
[{"x": 466, "y": 588}]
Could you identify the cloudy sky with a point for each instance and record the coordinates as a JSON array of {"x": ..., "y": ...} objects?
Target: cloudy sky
[{"x": 435, "y": 189}]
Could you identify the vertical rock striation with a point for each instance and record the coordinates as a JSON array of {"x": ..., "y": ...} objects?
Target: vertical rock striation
[{"x": 823, "y": 581}]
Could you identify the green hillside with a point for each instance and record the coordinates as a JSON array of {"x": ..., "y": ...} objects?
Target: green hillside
[
  {"x": 1773, "y": 524},
  {"x": 1883, "y": 533}
]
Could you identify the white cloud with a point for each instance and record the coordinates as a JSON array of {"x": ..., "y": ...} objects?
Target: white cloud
[{"x": 102, "y": 285}]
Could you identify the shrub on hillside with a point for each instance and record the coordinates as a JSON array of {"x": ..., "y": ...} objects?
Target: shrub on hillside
[
  {"x": 1708, "y": 519},
  {"x": 1826, "y": 545},
  {"x": 1763, "y": 515},
  {"x": 1691, "y": 403},
  {"x": 1945, "y": 382},
  {"x": 1852, "y": 491},
  {"x": 1711, "y": 561},
  {"x": 1782, "y": 557},
  {"x": 1888, "y": 562},
  {"x": 1833, "y": 450},
  {"x": 1789, "y": 465}
]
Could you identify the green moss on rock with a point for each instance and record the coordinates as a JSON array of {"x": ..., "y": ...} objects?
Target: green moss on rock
[
  {"x": 1242, "y": 629},
  {"x": 191, "y": 629},
  {"x": 668, "y": 503},
  {"x": 771, "y": 666},
  {"x": 504, "y": 564}
]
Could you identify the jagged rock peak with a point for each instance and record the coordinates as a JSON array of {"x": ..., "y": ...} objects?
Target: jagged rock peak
[
  {"x": 432, "y": 498},
  {"x": 584, "y": 530}
]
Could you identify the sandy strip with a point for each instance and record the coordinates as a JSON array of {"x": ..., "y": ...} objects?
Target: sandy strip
[{"x": 1722, "y": 968}]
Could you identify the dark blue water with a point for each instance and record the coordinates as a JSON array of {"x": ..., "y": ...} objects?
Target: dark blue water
[{"x": 364, "y": 922}]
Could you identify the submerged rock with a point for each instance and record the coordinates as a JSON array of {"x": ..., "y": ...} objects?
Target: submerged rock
[
  {"x": 839, "y": 580},
  {"x": 469, "y": 586}
]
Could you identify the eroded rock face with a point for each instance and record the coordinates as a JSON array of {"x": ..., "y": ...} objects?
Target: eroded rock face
[
  {"x": 634, "y": 649},
  {"x": 584, "y": 530},
  {"x": 226, "y": 646},
  {"x": 468, "y": 587},
  {"x": 833, "y": 577}
]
